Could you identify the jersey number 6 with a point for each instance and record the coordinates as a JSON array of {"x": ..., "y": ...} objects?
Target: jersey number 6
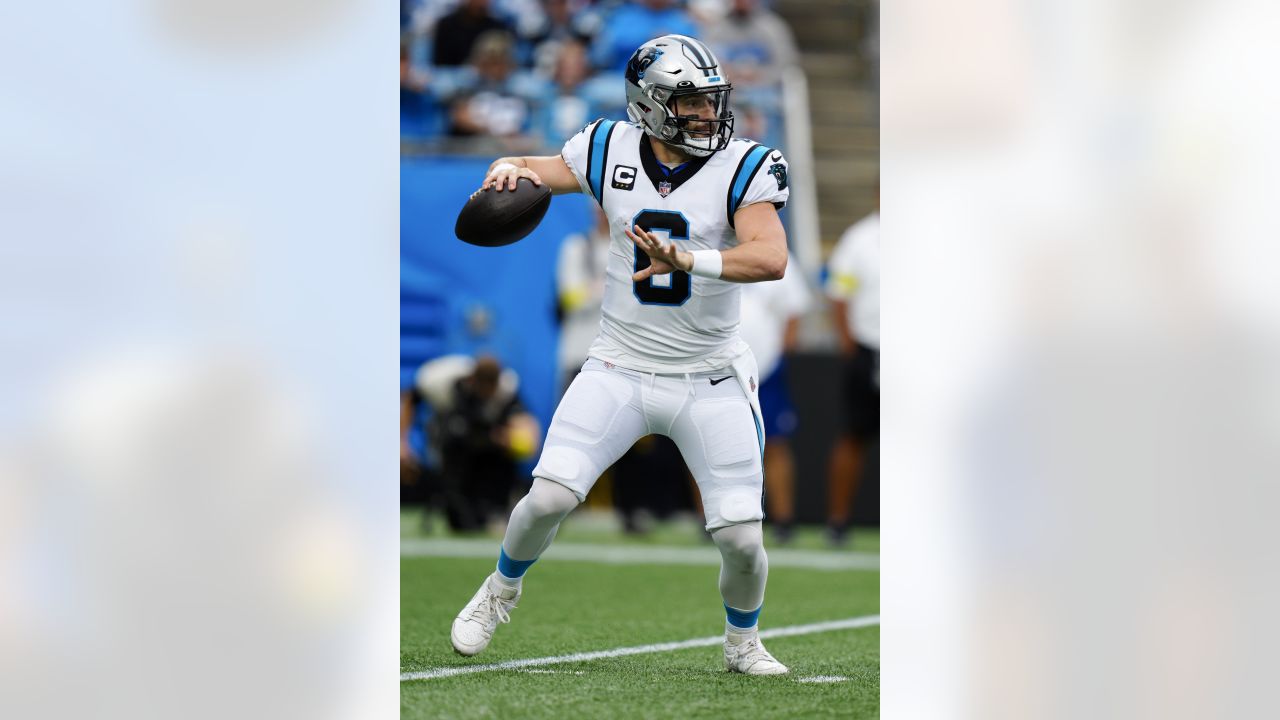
[{"x": 681, "y": 287}]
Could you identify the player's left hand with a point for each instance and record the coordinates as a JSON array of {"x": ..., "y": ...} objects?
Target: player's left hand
[{"x": 663, "y": 259}]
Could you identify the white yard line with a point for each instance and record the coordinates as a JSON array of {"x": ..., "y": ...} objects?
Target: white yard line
[
  {"x": 822, "y": 679},
  {"x": 640, "y": 554},
  {"x": 828, "y": 626}
]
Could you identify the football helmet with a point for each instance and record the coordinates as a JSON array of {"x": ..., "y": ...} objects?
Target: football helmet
[{"x": 678, "y": 66}]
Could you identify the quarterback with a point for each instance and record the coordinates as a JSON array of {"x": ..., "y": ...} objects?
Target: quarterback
[{"x": 693, "y": 213}]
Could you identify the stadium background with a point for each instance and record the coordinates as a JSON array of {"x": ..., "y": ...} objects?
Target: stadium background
[{"x": 822, "y": 112}]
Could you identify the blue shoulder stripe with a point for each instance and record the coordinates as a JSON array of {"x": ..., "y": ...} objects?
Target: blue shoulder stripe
[
  {"x": 751, "y": 162},
  {"x": 598, "y": 156}
]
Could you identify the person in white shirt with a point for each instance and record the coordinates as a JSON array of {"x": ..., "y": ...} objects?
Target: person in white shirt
[
  {"x": 693, "y": 214},
  {"x": 771, "y": 314},
  {"x": 580, "y": 273},
  {"x": 854, "y": 289}
]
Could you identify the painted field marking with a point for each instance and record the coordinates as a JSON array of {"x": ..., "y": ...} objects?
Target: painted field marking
[
  {"x": 822, "y": 679},
  {"x": 828, "y": 626}
]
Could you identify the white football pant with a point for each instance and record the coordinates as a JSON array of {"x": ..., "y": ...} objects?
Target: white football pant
[{"x": 709, "y": 416}]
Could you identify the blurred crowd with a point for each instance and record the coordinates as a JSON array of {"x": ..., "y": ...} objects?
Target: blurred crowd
[{"x": 530, "y": 73}]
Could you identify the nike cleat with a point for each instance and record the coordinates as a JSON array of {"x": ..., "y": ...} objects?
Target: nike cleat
[
  {"x": 744, "y": 653},
  {"x": 474, "y": 626}
]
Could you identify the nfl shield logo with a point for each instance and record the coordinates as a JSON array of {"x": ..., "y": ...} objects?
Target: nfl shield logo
[
  {"x": 664, "y": 188},
  {"x": 753, "y": 384}
]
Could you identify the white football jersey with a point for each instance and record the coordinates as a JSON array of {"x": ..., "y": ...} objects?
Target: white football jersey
[{"x": 672, "y": 323}]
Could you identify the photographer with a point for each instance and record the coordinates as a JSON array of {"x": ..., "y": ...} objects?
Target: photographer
[{"x": 477, "y": 433}]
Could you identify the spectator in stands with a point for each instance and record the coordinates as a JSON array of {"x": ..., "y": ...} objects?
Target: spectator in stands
[
  {"x": 457, "y": 33},
  {"x": 632, "y": 25},
  {"x": 567, "y": 111},
  {"x": 406, "y": 14},
  {"x": 854, "y": 288},
  {"x": 753, "y": 43},
  {"x": 417, "y": 106},
  {"x": 749, "y": 120},
  {"x": 424, "y": 14},
  {"x": 560, "y": 26},
  {"x": 477, "y": 432},
  {"x": 770, "y": 323},
  {"x": 412, "y": 80},
  {"x": 493, "y": 106}
]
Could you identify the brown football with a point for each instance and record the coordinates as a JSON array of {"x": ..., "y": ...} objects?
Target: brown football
[{"x": 492, "y": 218}]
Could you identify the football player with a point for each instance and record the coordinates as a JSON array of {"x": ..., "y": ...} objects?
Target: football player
[{"x": 693, "y": 213}]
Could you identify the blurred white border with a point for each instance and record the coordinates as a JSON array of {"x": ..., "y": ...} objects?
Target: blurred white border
[
  {"x": 1079, "y": 366},
  {"x": 199, "y": 268}
]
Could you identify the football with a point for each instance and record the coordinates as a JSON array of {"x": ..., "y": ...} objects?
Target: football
[{"x": 492, "y": 219}]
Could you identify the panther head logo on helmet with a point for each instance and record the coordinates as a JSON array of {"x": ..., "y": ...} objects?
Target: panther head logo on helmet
[
  {"x": 641, "y": 61},
  {"x": 671, "y": 67}
]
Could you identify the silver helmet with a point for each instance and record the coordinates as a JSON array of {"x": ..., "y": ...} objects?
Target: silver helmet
[{"x": 673, "y": 66}]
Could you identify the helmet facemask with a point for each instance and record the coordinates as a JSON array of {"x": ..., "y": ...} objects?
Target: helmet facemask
[
  {"x": 675, "y": 91},
  {"x": 700, "y": 120}
]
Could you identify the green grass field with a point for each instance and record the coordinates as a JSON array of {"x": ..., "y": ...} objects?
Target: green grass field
[{"x": 578, "y": 605}]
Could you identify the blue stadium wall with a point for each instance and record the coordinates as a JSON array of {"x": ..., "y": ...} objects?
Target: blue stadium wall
[{"x": 458, "y": 298}]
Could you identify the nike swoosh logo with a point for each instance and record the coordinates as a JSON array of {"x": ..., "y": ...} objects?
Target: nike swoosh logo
[{"x": 717, "y": 381}]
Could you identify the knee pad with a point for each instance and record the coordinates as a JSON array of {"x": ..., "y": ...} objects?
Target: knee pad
[
  {"x": 547, "y": 498},
  {"x": 567, "y": 467},
  {"x": 732, "y": 506},
  {"x": 741, "y": 544}
]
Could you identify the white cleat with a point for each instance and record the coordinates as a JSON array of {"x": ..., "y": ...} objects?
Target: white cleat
[
  {"x": 744, "y": 653},
  {"x": 474, "y": 626}
]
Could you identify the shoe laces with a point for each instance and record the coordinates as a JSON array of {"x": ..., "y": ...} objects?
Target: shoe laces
[
  {"x": 492, "y": 606},
  {"x": 752, "y": 648}
]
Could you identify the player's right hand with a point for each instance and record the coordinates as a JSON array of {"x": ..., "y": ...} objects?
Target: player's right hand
[{"x": 505, "y": 176}]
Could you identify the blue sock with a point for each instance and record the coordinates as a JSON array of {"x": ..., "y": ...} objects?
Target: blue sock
[
  {"x": 742, "y": 619},
  {"x": 513, "y": 569}
]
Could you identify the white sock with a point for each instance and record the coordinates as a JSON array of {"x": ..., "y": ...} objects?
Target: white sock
[{"x": 506, "y": 582}]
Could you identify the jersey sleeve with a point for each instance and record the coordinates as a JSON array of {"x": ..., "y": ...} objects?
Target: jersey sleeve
[
  {"x": 761, "y": 176},
  {"x": 770, "y": 181},
  {"x": 575, "y": 154}
]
